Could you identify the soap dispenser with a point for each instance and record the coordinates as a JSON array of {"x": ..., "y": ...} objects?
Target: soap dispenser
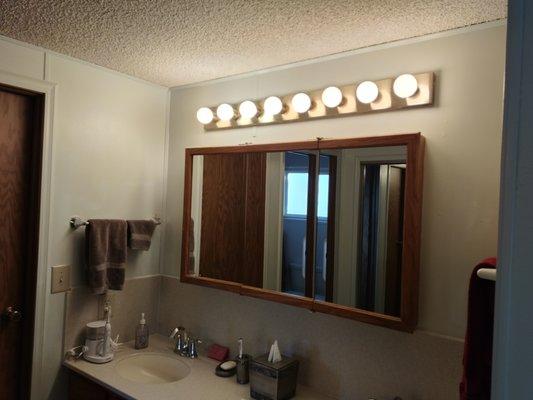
[
  {"x": 141, "y": 334},
  {"x": 243, "y": 365}
]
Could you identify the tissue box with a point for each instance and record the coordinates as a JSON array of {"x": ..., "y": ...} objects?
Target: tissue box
[{"x": 273, "y": 381}]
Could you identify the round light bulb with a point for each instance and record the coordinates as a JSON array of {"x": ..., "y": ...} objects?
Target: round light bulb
[
  {"x": 204, "y": 115},
  {"x": 405, "y": 86},
  {"x": 248, "y": 109},
  {"x": 272, "y": 106},
  {"x": 225, "y": 112},
  {"x": 332, "y": 97},
  {"x": 301, "y": 103},
  {"x": 367, "y": 92}
]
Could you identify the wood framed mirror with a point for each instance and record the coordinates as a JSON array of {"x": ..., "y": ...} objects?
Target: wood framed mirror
[{"x": 331, "y": 225}]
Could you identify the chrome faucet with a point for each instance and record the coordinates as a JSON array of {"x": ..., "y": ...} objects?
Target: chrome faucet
[
  {"x": 185, "y": 346},
  {"x": 192, "y": 347}
]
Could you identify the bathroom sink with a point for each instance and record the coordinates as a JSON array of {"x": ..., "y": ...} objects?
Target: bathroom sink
[{"x": 152, "y": 368}]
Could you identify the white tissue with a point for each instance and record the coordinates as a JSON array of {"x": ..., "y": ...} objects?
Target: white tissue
[{"x": 274, "y": 355}]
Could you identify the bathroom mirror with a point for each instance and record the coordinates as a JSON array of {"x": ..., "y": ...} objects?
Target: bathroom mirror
[
  {"x": 329, "y": 225},
  {"x": 250, "y": 219}
]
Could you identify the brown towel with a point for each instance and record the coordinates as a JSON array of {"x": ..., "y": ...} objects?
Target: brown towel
[
  {"x": 140, "y": 234},
  {"x": 106, "y": 243}
]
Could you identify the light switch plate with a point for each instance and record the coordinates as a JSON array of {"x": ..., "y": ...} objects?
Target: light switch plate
[{"x": 60, "y": 278}]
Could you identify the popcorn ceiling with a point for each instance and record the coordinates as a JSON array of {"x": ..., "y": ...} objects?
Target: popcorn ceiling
[{"x": 179, "y": 42}]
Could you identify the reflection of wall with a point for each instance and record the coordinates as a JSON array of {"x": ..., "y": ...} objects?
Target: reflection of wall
[
  {"x": 273, "y": 221},
  {"x": 460, "y": 207},
  {"x": 196, "y": 212}
]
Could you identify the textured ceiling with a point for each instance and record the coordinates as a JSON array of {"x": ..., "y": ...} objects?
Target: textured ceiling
[{"x": 178, "y": 42}]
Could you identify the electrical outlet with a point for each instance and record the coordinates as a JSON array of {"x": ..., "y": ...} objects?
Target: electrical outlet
[{"x": 60, "y": 278}]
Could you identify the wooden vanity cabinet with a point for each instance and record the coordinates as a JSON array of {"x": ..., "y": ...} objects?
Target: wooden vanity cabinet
[
  {"x": 112, "y": 396},
  {"x": 81, "y": 388}
]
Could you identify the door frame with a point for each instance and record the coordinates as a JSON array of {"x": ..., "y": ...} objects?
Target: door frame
[
  {"x": 512, "y": 348},
  {"x": 43, "y": 246}
]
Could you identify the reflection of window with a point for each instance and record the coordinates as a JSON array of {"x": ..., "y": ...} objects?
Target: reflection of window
[
  {"x": 296, "y": 194},
  {"x": 323, "y": 190}
]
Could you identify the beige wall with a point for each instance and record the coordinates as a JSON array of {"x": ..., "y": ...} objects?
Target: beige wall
[
  {"x": 107, "y": 160},
  {"x": 463, "y": 132}
]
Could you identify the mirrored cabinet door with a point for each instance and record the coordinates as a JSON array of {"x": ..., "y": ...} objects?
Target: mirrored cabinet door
[
  {"x": 297, "y": 220},
  {"x": 360, "y": 229},
  {"x": 252, "y": 217},
  {"x": 227, "y": 219}
]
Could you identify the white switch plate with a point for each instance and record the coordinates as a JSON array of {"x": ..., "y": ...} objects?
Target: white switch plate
[{"x": 60, "y": 278}]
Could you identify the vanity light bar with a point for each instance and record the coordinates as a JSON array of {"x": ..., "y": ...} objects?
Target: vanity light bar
[{"x": 403, "y": 91}]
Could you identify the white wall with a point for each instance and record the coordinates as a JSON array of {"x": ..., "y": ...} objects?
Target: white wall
[
  {"x": 108, "y": 160},
  {"x": 463, "y": 132}
]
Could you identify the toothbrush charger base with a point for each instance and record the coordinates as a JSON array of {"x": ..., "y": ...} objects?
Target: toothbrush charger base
[{"x": 98, "y": 359}]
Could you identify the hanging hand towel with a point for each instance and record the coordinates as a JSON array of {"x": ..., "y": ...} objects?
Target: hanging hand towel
[
  {"x": 140, "y": 234},
  {"x": 477, "y": 357},
  {"x": 106, "y": 243}
]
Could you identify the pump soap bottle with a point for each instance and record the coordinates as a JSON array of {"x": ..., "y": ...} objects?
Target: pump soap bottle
[
  {"x": 243, "y": 365},
  {"x": 141, "y": 334}
]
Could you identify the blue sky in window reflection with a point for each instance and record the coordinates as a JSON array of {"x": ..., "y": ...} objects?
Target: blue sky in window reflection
[{"x": 296, "y": 194}]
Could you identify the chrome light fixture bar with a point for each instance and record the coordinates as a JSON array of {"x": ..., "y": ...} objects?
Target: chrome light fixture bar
[{"x": 400, "y": 92}]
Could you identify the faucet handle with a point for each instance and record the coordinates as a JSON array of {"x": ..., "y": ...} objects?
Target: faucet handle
[
  {"x": 192, "y": 348},
  {"x": 174, "y": 333},
  {"x": 180, "y": 335},
  {"x": 179, "y": 329}
]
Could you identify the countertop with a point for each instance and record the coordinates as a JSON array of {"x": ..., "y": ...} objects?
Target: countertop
[{"x": 201, "y": 383}]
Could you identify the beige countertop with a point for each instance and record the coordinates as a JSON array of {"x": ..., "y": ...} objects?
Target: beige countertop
[{"x": 201, "y": 383}]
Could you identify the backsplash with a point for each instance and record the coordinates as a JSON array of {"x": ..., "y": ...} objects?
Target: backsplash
[
  {"x": 339, "y": 357},
  {"x": 139, "y": 295}
]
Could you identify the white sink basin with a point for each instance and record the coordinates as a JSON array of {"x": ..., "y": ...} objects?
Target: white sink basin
[{"x": 152, "y": 368}]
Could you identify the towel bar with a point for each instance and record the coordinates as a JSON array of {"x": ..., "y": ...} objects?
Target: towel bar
[
  {"x": 487, "y": 273},
  {"x": 76, "y": 222}
]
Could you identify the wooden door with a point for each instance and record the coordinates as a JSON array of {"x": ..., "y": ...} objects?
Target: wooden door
[
  {"x": 395, "y": 201},
  {"x": 311, "y": 226},
  {"x": 332, "y": 203},
  {"x": 233, "y": 214},
  {"x": 20, "y": 170},
  {"x": 81, "y": 388}
]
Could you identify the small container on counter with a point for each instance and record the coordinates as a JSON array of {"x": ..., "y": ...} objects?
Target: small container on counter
[
  {"x": 141, "y": 334},
  {"x": 243, "y": 365},
  {"x": 243, "y": 369},
  {"x": 273, "y": 381}
]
